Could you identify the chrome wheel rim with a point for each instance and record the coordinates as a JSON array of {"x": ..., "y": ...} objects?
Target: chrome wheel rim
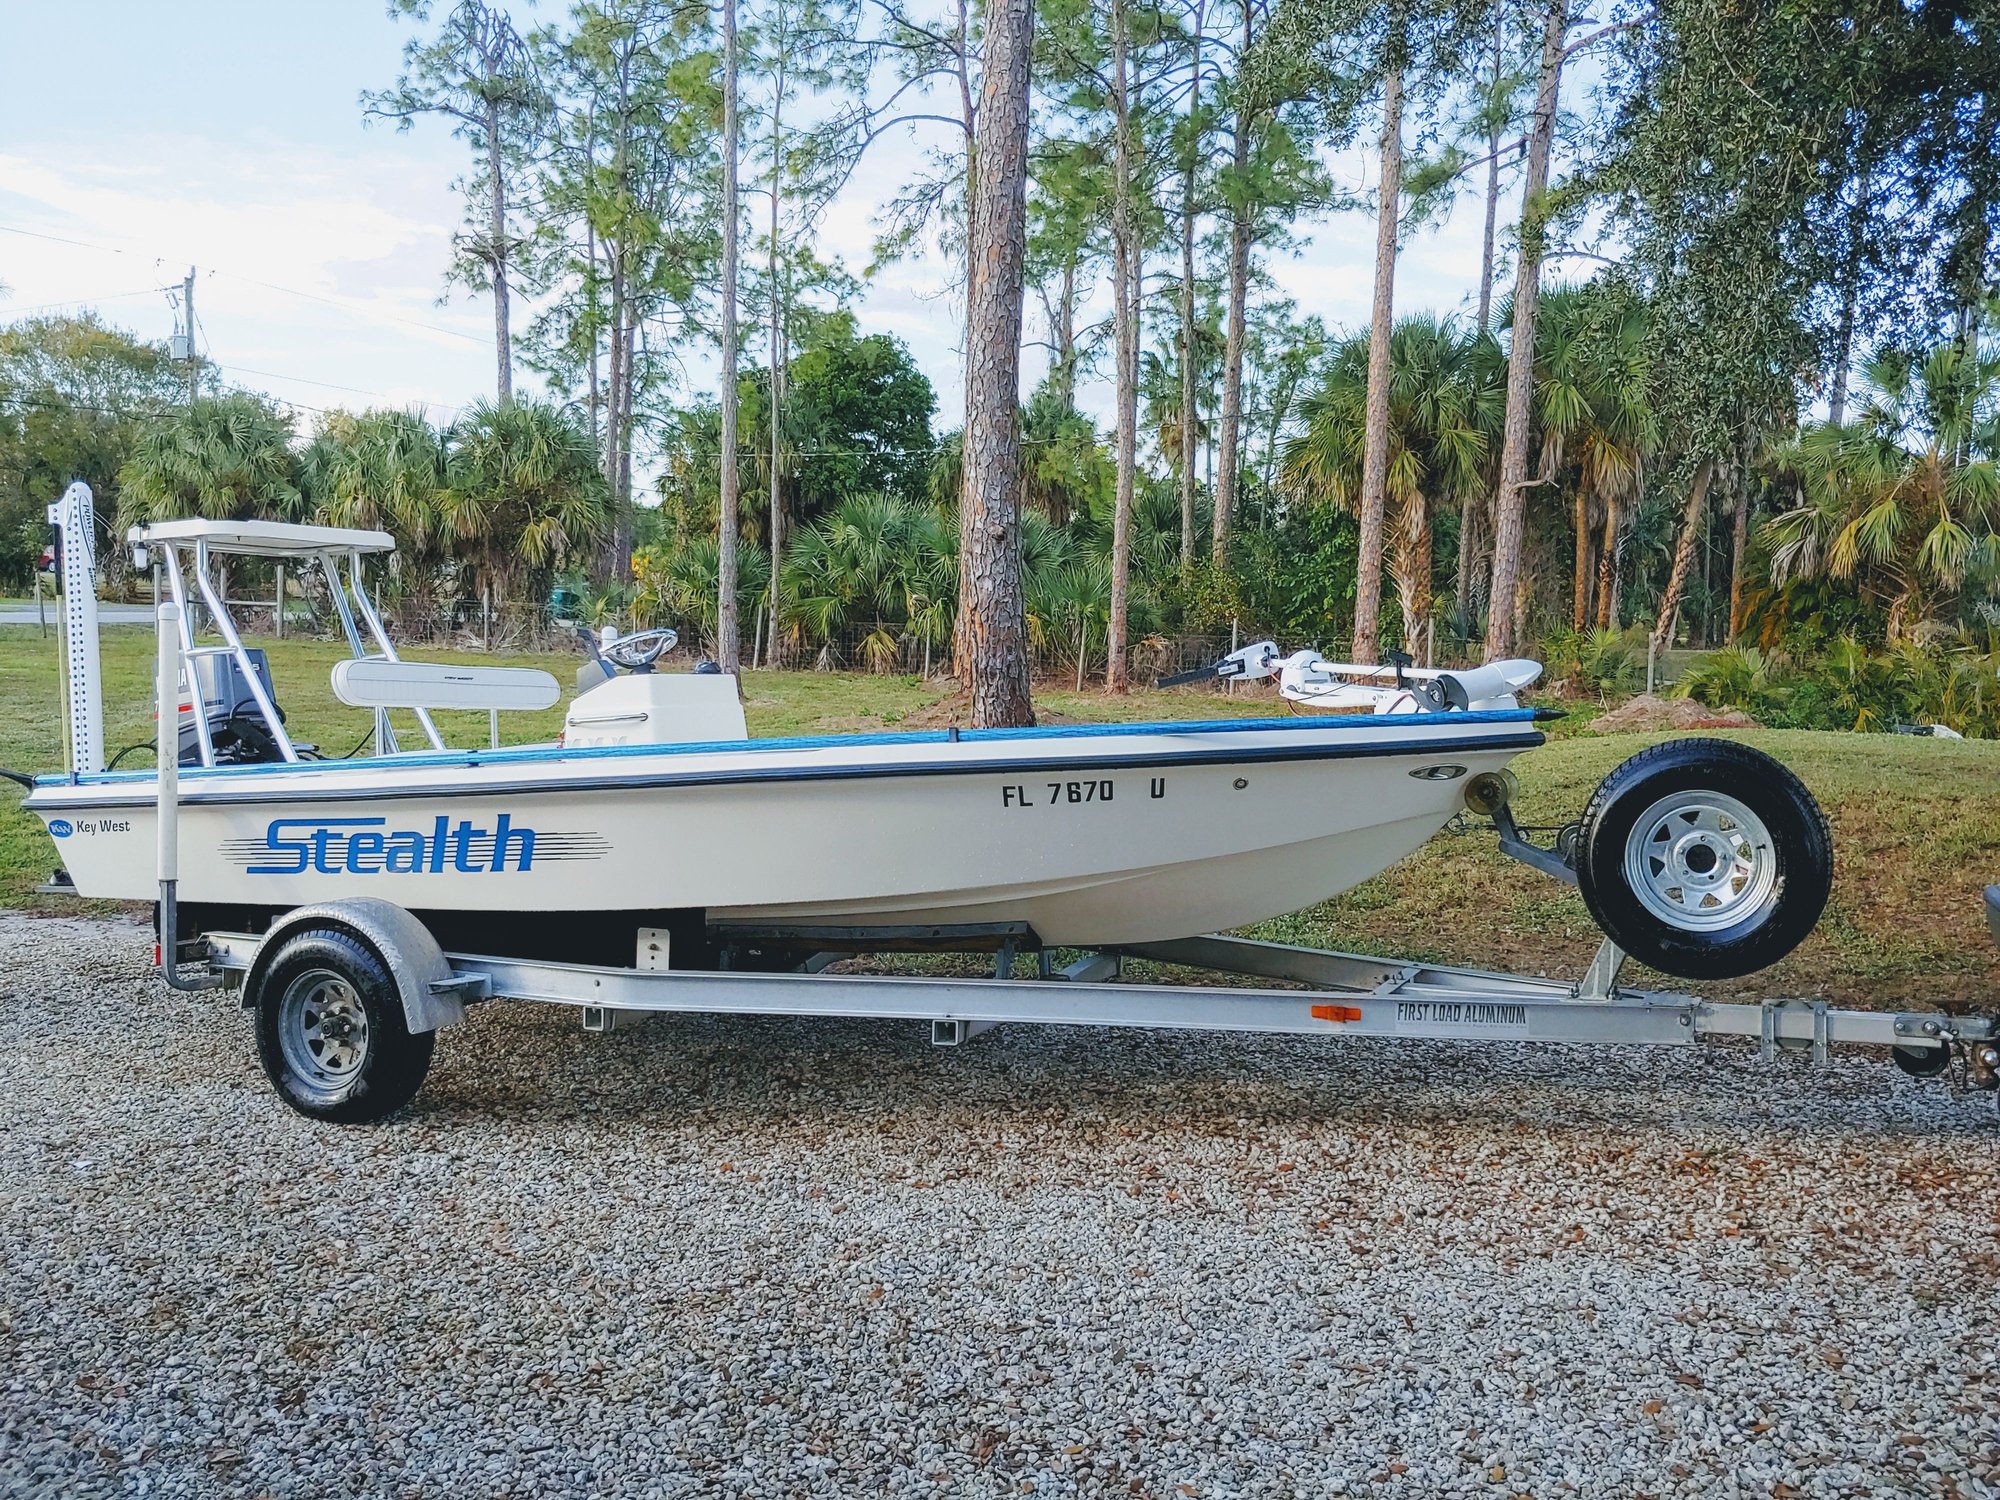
[
  {"x": 323, "y": 1032},
  {"x": 1701, "y": 861}
]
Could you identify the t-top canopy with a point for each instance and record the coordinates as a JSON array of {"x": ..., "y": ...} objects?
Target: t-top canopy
[{"x": 262, "y": 538}]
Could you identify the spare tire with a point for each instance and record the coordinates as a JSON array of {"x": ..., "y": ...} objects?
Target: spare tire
[{"x": 1704, "y": 859}]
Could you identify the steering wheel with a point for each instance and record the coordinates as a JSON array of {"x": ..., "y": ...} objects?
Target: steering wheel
[{"x": 638, "y": 651}]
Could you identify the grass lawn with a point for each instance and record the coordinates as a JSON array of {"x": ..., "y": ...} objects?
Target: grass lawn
[{"x": 1916, "y": 822}]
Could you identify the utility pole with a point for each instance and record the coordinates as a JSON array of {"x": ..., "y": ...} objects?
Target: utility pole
[{"x": 187, "y": 316}]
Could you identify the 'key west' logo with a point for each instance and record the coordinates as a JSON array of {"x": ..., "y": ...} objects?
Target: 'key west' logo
[{"x": 368, "y": 846}]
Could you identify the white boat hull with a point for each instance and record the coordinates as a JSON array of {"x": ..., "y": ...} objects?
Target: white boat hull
[{"x": 1122, "y": 834}]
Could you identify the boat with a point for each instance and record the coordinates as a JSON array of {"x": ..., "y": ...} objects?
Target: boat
[
  {"x": 656, "y": 811},
  {"x": 656, "y": 801},
  {"x": 656, "y": 857}
]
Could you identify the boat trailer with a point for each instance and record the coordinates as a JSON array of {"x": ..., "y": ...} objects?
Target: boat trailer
[
  {"x": 1329, "y": 994},
  {"x": 1337, "y": 994},
  {"x": 366, "y": 986}
]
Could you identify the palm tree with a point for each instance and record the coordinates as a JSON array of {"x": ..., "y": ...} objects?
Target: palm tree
[
  {"x": 385, "y": 470},
  {"x": 1593, "y": 418},
  {"x": 680, "y": 585},
  {"x": 1622, "y": 432},
  {"x": 1905, "y": 498},
  {"x": 1070, "y": 603},
  {"x": 377, "y": 469},
  {"x": 930, "y": 578},
  {"x": 1164, "y": 387},
  {"x": 1064, "y": 468},
  {"x": 525, "y": 496},
  {"x": 224, "y": 457},
  {"x": 1444, "y": 408},
  {"x": 382, "y": 470},
  {"x": 850, "y": 570}
]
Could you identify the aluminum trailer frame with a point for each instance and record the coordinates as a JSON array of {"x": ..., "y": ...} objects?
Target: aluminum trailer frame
[{"x": 1347, "y": 995}]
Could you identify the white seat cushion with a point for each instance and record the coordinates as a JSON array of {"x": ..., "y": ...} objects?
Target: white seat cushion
[{"x": 376, "y": 682}]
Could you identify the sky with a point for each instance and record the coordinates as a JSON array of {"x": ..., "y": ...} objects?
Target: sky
[{"x": 138, "y": 138}]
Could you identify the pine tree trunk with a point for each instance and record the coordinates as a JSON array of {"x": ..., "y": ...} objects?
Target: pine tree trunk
[
  {"x": 1677, "y": 578},
  {"x": 1850, "y": 295},
  {"x": 1381, "y": 324},
  {"x": 503, "y": 346},
  {"x": 777, "y": 537},
  {"x": 728, "y": 633},
  {"x": 1193, "y": 161},
  {"x": 1510, "y": 505},
  {"x": 961, "y": 634},
  {"x": 996, "y": 653},
  {"x": 594, "y": 396},
  {"x": 1125, "y": 316},
  {"x": 1739, "y": 538},
  {"x": 1065, "y": 370},
  {"x": 627, "y": 383},
  {"x": 621, "y": 520},
  {"x": 1492, "y": 181},
  {"x": 1228, "y": 463}
]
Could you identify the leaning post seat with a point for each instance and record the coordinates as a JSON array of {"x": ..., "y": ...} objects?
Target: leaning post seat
[{"x": 381, "y": 683}]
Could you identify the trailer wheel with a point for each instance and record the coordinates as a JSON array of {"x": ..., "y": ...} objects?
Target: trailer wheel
[
  {"x": 331, "y": 1033},
  {"x": 1921, "y": 1062},
  {"x": 1704, "y": 859}
]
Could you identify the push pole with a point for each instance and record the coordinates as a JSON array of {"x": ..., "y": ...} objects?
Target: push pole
[{"x": 167, "y": 736}]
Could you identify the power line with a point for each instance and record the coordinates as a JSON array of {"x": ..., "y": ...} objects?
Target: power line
[
  {"x": 41, "y": 403},
  {"x": 361, "y": 309},
  {"x": 22, "y": 312}
]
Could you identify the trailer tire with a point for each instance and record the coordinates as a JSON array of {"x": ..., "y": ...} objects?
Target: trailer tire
[
  {"x": 331, "y": 1032},
  {"x": 1704, "y": 859}
]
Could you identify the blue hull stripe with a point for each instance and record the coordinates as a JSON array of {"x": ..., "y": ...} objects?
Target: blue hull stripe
[{"x": 650, "y": 779}]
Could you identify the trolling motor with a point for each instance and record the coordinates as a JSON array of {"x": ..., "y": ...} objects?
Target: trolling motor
[{"x": 1396, "y": 686}]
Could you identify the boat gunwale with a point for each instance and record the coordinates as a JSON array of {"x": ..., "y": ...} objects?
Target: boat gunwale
[
  {"x": 244, "y": 794},
  {"x": 541, "y": 753}
]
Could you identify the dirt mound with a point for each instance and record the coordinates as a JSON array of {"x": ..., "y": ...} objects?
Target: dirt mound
[{"x": 1647, "y": 713}]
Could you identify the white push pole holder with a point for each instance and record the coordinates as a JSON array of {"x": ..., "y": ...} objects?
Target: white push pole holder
[{"x": 74, "y": 518}]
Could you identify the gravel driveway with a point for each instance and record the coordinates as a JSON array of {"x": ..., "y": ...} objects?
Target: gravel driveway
[{"x": 762, "y": 1257}]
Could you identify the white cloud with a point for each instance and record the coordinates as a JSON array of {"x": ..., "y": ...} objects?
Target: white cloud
[
  {"x": 367, "y": 227},
  {"x": 315, "y": 265}
]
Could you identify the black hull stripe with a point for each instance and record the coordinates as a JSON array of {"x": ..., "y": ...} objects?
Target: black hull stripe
[{"x": 1430, "y": 746}]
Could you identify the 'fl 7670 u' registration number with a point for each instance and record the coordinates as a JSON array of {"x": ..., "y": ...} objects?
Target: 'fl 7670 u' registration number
[{"x": 1069, "y": 793}]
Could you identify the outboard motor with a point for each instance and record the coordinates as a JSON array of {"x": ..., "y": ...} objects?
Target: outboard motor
[{"x": 235, "y": 727}]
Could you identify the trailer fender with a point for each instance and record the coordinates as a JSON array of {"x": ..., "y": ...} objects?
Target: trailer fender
[{"x": 432, "y": 994}]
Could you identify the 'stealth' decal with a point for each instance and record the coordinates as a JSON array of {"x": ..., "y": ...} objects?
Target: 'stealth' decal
[{"x": 369, "y": 846}]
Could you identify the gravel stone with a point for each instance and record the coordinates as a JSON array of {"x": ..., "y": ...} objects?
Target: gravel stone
[{"x": 765, "y": 1257}]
